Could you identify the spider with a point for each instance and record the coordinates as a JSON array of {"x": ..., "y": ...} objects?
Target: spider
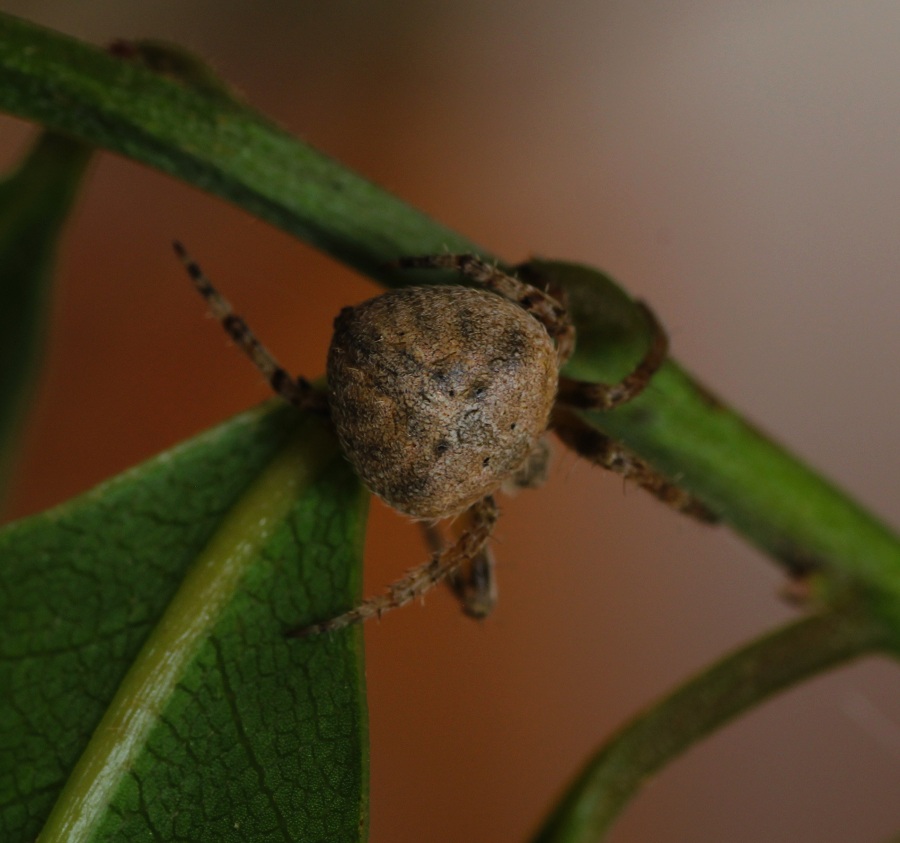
[{"x": 441, "y": 396}]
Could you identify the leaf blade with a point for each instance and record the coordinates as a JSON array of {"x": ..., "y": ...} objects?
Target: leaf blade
[
  {"x": 240, "y": 613},
  {"x": 219, "y": 146},
  {"x": 35, "y": 202}
]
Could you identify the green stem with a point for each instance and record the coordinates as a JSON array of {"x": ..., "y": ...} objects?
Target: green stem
[
  {"x": 737, "y": 683},
  {"x": 760, "y": 490}
]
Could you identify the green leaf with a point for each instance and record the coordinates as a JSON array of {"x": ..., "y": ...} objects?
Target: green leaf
[
  {"x": 215, "y": 144},
  {"x": 34, "y": 204},
  {"x": 149, "y": 691}
]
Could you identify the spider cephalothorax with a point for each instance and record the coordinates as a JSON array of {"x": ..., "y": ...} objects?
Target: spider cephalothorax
[{"x": 441, "y": 395}]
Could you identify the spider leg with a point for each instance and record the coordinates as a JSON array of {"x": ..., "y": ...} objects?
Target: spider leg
[
  {"x": 599, "y": 396},
  {"x": 546, "y": 309},
  {"x": 476, "y": 588},
  {"x": 419, "y": 580},
  {"x": 474, "y": 584},
  {"x": 296, "y": 391},
  {"x": 532, "y": 474},
  {"x": 600, "y": 449}
]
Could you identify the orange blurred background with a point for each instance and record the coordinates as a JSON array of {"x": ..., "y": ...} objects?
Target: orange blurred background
[{"x": 735, "y": 165}]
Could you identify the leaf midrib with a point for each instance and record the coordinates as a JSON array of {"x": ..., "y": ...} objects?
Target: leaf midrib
[{"x": 187, "y": 623}]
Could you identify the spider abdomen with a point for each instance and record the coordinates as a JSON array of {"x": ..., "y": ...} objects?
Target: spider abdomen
[{"x": 439, "y": 394}]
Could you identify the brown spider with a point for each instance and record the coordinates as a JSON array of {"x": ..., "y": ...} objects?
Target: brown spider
[{"x": 442, "y": 395}]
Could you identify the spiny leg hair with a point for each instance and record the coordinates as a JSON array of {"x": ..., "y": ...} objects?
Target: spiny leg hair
[
  {"x": 419, "y": 580},
  {"x": 296, "y": 391},
  {"x": 547, "y": 310}
]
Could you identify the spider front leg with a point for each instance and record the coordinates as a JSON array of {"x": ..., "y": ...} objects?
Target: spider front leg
[
  {"x": 546, "y": 309},
  {"x": 296, "y": 391},
  {"x": 601, "y": 450},
  {"x": 419, "y": 581},
  {"x": 599, "y": 396}
]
